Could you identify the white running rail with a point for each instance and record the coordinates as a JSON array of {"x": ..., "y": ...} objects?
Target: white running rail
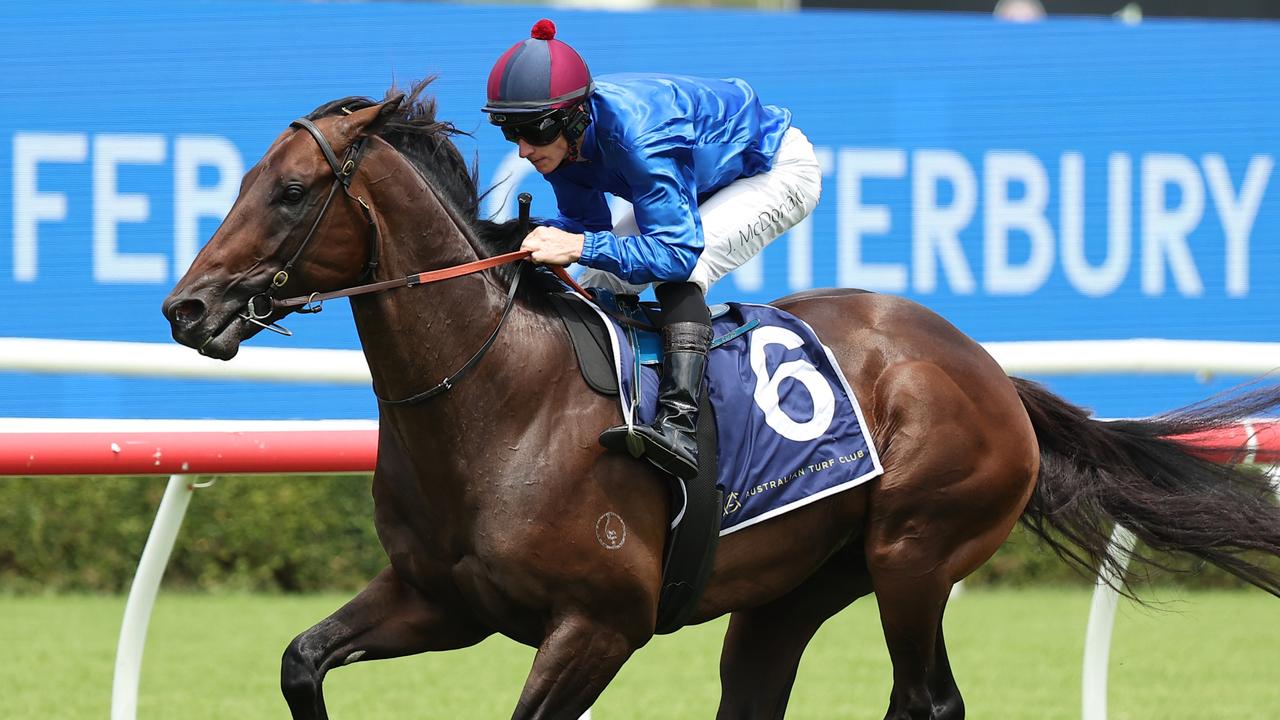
[{"x": 296, "y": 365}]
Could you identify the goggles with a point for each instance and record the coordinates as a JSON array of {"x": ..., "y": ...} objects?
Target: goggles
[{"x": 538, "y": 131}]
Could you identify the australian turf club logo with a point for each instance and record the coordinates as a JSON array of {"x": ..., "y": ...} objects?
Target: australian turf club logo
[{"x": 732, "y": 504}]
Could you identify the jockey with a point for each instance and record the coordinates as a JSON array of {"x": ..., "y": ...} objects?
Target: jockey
[{"x": 713, "y": 175}]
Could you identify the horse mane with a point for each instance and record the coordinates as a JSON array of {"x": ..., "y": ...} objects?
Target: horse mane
[{"x": 427, "y": 143}]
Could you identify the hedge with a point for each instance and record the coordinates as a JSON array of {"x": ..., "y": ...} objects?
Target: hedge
[
  {"x": 291, "y": 534},
  {"x": 280, "y": 534}
]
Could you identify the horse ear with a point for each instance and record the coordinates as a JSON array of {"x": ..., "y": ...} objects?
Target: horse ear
[{"x": 386, "y": 111}]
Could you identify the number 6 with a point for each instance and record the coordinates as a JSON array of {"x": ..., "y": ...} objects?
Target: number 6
[{"x": 766, "y": 394}]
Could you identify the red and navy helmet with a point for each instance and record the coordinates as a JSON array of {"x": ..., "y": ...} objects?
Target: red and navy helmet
[{"x": 535, "y": 76}]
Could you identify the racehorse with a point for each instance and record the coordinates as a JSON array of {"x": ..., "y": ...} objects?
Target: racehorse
[{"x": 489, "y": 493}]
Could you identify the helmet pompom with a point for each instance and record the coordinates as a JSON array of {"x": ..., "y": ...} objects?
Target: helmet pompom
[{"x": 544, "y": 29}]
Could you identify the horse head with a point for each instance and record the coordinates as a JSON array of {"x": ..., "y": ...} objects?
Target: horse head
[{"x": 300, "y": 225}]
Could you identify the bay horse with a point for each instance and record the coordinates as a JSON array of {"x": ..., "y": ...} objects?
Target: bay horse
[{"x": 487, "y": 497}]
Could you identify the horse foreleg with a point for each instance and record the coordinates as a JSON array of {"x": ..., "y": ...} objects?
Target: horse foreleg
[
  {"x": 573, "y": 665},
  {"x": 763, "y": 645},
  {"x": 387, "y": 619}
]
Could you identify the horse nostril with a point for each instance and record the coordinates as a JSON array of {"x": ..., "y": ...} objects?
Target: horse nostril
[{"x": 187, "y": 313}]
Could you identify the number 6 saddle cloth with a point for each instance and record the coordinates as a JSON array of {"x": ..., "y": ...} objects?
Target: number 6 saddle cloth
[{"x": 789, "y": 429}]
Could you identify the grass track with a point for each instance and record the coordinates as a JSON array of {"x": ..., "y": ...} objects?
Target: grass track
[{"x": 1016, "y": 654}]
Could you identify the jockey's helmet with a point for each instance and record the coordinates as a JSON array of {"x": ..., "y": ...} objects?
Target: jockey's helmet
[{"x": 538, "y": 87}]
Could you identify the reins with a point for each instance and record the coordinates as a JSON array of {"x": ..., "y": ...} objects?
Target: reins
[
  {"x": 314, "y": 303},
  {"x": 304, "y": 302}
]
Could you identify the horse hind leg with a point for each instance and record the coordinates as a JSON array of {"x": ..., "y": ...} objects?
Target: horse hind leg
[
  {"x": 914, "y": 559},
  {"x": 910, "y": 613},
  {"x": 387, "y": 619},
  {"x": 947, "y": 703},
  {"x": 958, "y": 471},
  {"x": 763, "y": 645}
]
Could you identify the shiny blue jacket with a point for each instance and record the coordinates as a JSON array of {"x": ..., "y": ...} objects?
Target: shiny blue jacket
[{"x": 664, "y": 142}]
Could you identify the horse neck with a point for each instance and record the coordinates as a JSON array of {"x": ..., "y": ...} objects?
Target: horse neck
[{"x": 415, "y": 337}]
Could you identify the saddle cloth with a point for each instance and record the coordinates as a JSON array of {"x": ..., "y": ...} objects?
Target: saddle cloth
[{"x": 789, "y": 428}]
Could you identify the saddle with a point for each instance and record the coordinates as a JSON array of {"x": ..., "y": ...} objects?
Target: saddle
[
  {"x": 640, "y": 320},
  {"x": 695, "y": 525}
]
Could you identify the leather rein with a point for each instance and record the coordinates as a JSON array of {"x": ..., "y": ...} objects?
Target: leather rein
[{"x": 314, "y": 303}]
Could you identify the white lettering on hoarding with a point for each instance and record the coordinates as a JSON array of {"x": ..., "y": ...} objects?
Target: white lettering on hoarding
[
  {"x": 32, "y": 205},
  {"x": 856, "y": 219},
  {"x": 1095, "y": 280},
  {"x": 1165, "y": 228},
  {"x": 940, "y": 189},
  {"x": 1237, "y": 213},
  {"x": 1016, "y": 194},
  {"x": 109, "y": 207},
  {"x": 191, "y": 200},
  {"x": 1002, "y": 214},
  {"x": 935, "y": 229}
]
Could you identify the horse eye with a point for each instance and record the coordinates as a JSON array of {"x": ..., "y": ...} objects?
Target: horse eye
[{"x": 293, "y": 194}]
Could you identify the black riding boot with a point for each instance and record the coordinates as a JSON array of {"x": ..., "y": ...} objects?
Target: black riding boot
[{"x": 671, "y": 442}]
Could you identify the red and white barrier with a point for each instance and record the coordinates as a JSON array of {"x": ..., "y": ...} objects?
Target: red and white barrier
[{"x": 185, "y": 447}]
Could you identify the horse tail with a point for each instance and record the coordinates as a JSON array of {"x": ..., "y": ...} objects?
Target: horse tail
[{"x": 1133, "y": 472}]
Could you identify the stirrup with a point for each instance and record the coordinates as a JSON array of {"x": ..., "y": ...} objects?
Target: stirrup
[
  {"x": 623, "y": 439},
  {"x": 645, "y": 442}
]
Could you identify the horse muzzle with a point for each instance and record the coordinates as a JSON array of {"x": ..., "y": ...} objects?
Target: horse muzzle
[{"x": 213, "y": 328}]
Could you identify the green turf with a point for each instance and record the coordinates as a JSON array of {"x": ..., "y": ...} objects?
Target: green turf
[{"x": 1016, "y": 654}]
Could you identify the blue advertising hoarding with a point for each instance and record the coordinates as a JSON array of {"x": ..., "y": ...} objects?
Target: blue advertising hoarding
[{"x": 1072, "y": 179}]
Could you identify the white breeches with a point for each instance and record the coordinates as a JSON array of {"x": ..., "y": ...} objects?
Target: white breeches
[{"x": 742, "y": 217}]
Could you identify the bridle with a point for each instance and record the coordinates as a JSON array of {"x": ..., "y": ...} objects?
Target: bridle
[
  {"x": 342, "y": 176},
  {"x": 314, "y": 303}
]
